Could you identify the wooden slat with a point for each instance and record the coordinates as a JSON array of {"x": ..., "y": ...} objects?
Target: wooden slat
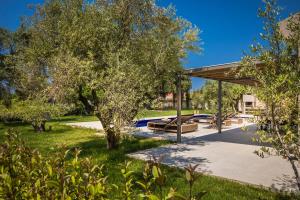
[{"x": 225, "y": 72}]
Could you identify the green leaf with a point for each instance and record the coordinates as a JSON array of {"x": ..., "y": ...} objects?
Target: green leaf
[
  {"x": 73, "y": 180},
  {"x": 49, "y": 168},
  {"x": 91, "y": 189},
  {"x": 188, "y": 175},
  {"x": 155, "y": 172},
  {"x": 141, "y": 184},
  {"x": 33, "y": 160},
  {"x": 115, "y": 186},
  {"x": 52, "y": 183},
  {"x": 128, "y": 174},
  {"x": 152, "y": 197},
  {"x": 37, "y": 184}
]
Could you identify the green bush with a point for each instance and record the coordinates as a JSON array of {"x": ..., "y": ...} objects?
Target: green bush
[
  {"x": 26, "y": 174},
  {"x": 35, "y": 112}
]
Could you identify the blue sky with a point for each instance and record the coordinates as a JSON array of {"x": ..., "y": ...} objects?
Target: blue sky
[{"x": 228, "y": 27}]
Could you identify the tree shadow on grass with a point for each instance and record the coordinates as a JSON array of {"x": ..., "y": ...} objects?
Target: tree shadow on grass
[
  {"x": 71, "y": 119},
  {"x": 96, "y": 148},
  {"x": 114, "y": 159},
  {"x": 286, "y": 196},
  {"x": 20, "y": 126},
  {"x": 12, "y": 124}
]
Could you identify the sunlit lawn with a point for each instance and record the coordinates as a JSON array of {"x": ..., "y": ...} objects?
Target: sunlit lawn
[
  {"x": 94, "y": 145},
  {"x": 159, "y": 113}
]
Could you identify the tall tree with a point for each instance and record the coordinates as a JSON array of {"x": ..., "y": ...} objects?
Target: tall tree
[
  {"x": 115, "y": 55},
  {"x": 207, "y": 95},
  {"x": 6, "y": 48},
  {"x": 278, "y": 84}
]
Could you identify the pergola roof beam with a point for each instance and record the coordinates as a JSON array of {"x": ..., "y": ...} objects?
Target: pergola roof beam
[{"x": 227, "y": 72}]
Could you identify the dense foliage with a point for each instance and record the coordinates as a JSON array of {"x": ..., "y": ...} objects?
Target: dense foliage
[
  {"x": 115, "y": 57},
  {"x": 207, "y": 96},
  {"x": 278, "y": 84},
  {"x": 26, "y": 174},
  {"x": 5, "y": 75},
  {"x": 35, "y": 112},
  {"x": 22, "y": 83}
]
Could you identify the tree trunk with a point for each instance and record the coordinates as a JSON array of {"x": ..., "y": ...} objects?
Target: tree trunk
[
  {"x": 112, "y": 139},
  {"x": 39, "y": 127},
  {"x": 295, "y": 169},
  {"x": 236, "y": 105},
  {"x": 273, "y": 122},
  {"x": 174, "y": 100},
  {"x": 112, "y": 135},
  {"x": 187, "y": 99},
  {"x": 182, "y": 98},
  {"x": 87, "y": 106}
]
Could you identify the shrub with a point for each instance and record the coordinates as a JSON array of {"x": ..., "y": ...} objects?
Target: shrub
[
  {"x": 25, "y": 174},
  {"x": 35, "y": 112}
]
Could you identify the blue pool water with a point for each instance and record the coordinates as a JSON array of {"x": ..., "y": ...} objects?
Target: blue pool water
[{"x": 143, "y": 122}]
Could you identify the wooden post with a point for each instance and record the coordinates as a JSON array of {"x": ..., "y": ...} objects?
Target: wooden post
[
  {"x": 219, "y": 118},
  {"x": 179, "y": 109}
]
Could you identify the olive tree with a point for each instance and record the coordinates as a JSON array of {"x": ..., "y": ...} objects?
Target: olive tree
[
  {"x": 6, "y": 48},
  {"x": 278, "y": 84},
  {"x": 114, "y": 55},
  {"x": 35, "y": 112},
  {"x": 23, "y": 79},
  {"x": 207, "y": 95}
]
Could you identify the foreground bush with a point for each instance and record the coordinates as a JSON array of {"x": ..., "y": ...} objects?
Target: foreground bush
[{"x": 26, "y": 174}]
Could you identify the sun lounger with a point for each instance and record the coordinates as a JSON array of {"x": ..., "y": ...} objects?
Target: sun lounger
[
  {"x": 206, "y": 119},
  {"x": 237, "y": 120},
  {"x": 171, "y": 125},
  {"x": 225, "y": 119}
]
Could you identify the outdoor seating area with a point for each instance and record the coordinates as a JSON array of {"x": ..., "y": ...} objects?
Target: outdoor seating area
[
  {"x": 193, "y": 126},
  {"x": 227, "y": 120},
  {"x": 189, "y": 123},
  {"x": 170, "y": 125}
]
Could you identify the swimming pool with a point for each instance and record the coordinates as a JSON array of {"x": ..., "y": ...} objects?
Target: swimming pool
[{"x": 143, "y": 122}]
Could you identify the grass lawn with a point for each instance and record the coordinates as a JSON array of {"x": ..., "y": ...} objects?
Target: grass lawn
[
  {"x": 93, "y": 145},
  {"x": 159, "y": 113}
]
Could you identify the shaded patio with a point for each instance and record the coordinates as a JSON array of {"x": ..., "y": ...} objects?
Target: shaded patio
[
  {"x": 232, "y": 134},
  {"x": 228, "y": 72}
]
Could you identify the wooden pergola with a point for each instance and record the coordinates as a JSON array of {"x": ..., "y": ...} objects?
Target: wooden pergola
[{"x": 228, "y": 72}]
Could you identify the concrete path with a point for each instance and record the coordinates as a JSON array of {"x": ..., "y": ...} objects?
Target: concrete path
[
  {"x": 92, "y": 125},
  {"x": 228, "y": 155}
]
